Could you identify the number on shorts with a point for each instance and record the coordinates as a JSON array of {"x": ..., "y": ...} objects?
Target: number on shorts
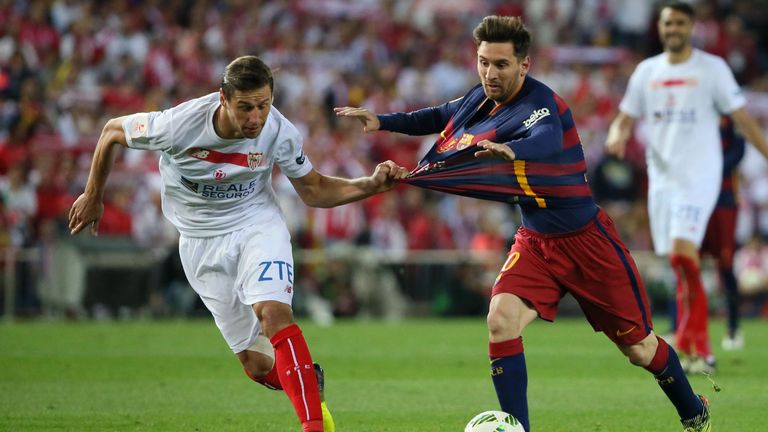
[
  {"x": 511, "y": 260},
  {"x": 508, "y": 264}
]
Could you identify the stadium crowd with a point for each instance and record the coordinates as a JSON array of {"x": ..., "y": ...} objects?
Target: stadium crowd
[{"x": 67, "y": 66}]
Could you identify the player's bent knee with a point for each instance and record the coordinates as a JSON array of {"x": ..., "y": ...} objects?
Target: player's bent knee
[
  {"x": 508, "y": 315},
  {"x": 642, "y": 353},
  {"x": 256, "y": 364},
  {"x": 501, "y": 325},
  {"x": 639, "y": 356}
]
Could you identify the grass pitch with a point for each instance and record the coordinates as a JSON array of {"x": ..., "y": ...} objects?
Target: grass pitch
[{"x": 413, "y": 376}]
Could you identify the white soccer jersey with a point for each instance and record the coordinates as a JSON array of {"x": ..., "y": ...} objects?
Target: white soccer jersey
[
  {"x": 212, "y": 186},
  {"x": 681, "y": 105}
]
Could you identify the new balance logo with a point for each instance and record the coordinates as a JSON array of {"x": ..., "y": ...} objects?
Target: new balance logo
[{"x": 535, "y": 117}]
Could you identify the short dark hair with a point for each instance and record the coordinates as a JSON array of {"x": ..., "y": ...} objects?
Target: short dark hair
[
  {"x": 246, "y": 73},
  {"x": 495, "y": 28},
  {"x": 680, "y": 6}
]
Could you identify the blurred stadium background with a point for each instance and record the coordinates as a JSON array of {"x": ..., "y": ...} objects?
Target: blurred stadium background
[{"x": 67, "y": 66}]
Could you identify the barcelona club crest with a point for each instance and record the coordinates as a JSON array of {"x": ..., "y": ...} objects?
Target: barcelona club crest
[{"x": 254, "y": 160}]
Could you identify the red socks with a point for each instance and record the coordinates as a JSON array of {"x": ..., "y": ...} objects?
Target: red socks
[
  {"x": 506, "y": 348},
  {"x": 659, "y": 362},
  {"x": 294, "y": 368},
  {"x": 692, "y": 312}
]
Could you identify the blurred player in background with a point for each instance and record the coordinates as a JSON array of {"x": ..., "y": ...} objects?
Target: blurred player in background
[
  {"x": 720, "y": 239},
  {"x": 720, "y": 243},
  {"x": 512, "y": 139},
  {"x": 681, "y": 94},
  {"x": 217, "y": 154}
]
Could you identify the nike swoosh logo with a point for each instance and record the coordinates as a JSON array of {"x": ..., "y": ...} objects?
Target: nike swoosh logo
[{"x": 623, "y": 333}]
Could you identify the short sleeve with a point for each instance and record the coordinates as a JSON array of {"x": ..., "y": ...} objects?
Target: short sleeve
[
  {"x": 633, "y": 103},
  {"x": 728, "y": 95},
  {"x": 290, "y": 156},
  {"x": 149, "y": 131}
]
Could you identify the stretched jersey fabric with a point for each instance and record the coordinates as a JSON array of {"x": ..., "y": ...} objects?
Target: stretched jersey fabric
[
  {"x": 547, "y": 179},
  {"x": 734, "y": 147}
]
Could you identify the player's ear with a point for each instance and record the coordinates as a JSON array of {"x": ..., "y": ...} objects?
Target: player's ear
[
  {"x": 525, "y": 65},
  {"x": 222, "y": 97}
]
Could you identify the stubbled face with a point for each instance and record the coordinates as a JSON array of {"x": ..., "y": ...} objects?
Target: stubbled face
[
  {"x": 244, "y": 114},
  {"x": 675, "y": 30},
  {"x": 501, "y": 72}
]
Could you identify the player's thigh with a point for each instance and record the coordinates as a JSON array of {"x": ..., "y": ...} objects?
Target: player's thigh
[
  {"x": 659, "y": 217},
  {"x": 265, "y": 271},
  {"x": 525, "y": 274},
  {"x": 210, "y": 266},
  {"x": 607, "y": 284},
  {"x": 720, "y": 239}
]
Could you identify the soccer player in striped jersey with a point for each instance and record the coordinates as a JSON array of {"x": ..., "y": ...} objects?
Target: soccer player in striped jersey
[
  {"x": 512, "y": 139},
  {"x": 216, "y": 157}
]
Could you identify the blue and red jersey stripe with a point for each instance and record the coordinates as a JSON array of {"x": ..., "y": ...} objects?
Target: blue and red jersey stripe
[{"x": 547, "y": 178}]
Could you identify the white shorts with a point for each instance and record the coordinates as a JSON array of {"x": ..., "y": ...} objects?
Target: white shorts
[
  {"x": 676, "y": 214},
  {"x": 233, "y": 271}
]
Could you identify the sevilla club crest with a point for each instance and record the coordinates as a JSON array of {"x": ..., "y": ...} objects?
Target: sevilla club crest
[{"x": 254, "y": 160}]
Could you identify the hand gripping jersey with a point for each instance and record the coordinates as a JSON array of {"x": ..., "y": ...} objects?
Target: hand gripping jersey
[
  {"x": 211, "y": 185},
  {"x": 548, "y": 177}
]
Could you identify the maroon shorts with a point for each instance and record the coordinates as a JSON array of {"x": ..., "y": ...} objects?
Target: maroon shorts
[
  {"x": 593, "y": 265},
  {"x": 720, "y": 239}
]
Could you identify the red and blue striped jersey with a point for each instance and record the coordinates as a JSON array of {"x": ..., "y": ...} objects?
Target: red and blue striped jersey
[
  {"x": 734, "y": 147},
  {"x": 548, "y": 177}
]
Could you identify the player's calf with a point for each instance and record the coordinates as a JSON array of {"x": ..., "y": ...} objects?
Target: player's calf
[{"x": 670, "y": 377}]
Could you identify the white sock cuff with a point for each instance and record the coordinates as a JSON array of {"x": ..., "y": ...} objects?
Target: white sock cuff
[{"x": 262, "y": 345}]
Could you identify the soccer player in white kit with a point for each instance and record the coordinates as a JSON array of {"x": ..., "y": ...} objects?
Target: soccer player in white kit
[
  {"x": 216, "y": 158},
  {"x": 681, "y": 94}
]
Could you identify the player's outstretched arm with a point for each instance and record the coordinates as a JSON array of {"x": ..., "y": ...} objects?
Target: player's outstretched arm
[
  {"x": 748, "y": 127},
  {"x": 318, "y": 190},
  {"x": 367, "y": 118},
  {"x": 89, "y": 206},
  {"x": 618, "y": 135}
]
